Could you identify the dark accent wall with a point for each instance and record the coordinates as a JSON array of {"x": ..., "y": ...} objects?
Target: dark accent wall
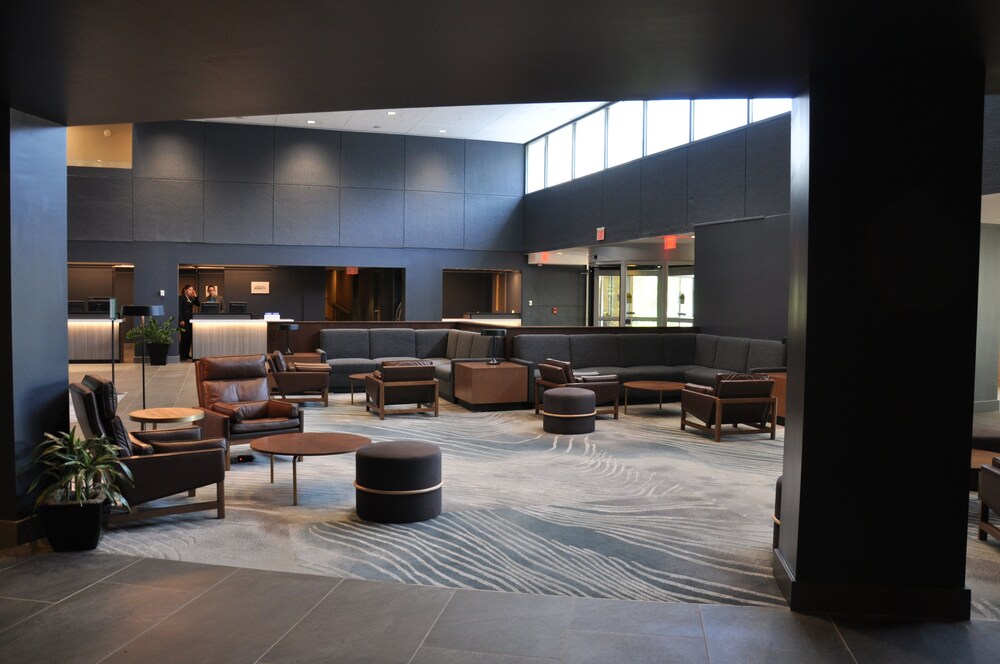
[
  {"x": 991, "y": 145},
  {"x": 561, "y": 286},
  {"x": 741, "y": 277},
  {"x": 988, "y": 321},
  {"x": 742, "y": 173},
  {"x": 241, "y": 194},
  {"x": 33, "y": 337}
]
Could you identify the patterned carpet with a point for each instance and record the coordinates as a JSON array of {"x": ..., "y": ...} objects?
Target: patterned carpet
[{"x": 636, "y": 510}]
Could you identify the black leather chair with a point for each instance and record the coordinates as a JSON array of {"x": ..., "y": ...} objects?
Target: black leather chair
[
  {"x": 402, "y": 382},
  {"x": 556, "y": 373},
  {"x": 736, "y": 399},
  {"x": 163, "y": 463},
  {"x": 233, "y": 392}
]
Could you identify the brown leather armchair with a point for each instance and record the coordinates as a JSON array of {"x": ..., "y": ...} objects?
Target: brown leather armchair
[
  {"x": 299, "y": 378},
  {"x": 989, "y": 498},
  {"x": 555, "y": 373},
  {"x": 401, "y": 382},
  {"x": 233, "y": 392},
  {"x": 163, "y": 463},
  {"x": 736, "y": 399}
]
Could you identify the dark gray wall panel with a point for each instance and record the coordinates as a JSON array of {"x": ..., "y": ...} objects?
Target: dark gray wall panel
[
  {"x": 169, "y": 150},
  {"x": 988, "y": 321},
  {"x": 717, "y": 178},
  {"x": 620, "y": 200},
  {"x": 239, "y": 153},
  {"x": 373, "y": 161},
  {"x": 99, "y": 208},
  {"x": 560, "y": 286},
  {"x": 434, "y": 220},
  {"x": 307, "y": 215},
  {"x": 306, "y": 156},
  {"x": 434, "y": 164},
  {"x": 371, "y": 218},
  {"x": 494, "y": 168},
  {"x": 663, "y": 198},
  {"x": 546, "y": 217},
  {"x": 239, "y": 212},
  {"x": 769, "y": 166},
  {"x": 585, "y": 201},
  {"x": 167, "y": 211},
  {"x": 991, "y": 145},
  {"x": 741, "y": 278},
  {"x": 493, "y": 223}
]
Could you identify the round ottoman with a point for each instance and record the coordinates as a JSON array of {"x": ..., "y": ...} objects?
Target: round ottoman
[
  {"x": 398, "y": 481},
  {"x": 568, "y": 410}
]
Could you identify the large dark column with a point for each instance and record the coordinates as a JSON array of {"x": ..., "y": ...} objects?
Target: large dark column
[
  {"x": 33, "y": 375},
  {"x": 886, "y": 162}
]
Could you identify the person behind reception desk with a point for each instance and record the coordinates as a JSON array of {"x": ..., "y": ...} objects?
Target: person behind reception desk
[
  {"x": 186, "y": 303},
  {"x": 212, "y": 295}
]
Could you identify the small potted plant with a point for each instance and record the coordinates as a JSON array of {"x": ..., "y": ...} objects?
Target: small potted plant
[
  {"x": 82, "y": 474},
  {"x": 157, "y": 338}
]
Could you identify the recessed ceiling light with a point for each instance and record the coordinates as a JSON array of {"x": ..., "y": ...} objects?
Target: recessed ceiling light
[
  {"x": 442, "y": 131},
  {"x": 390, "y": 112},
  {"x": 692, "y": 237},
  {"x": 310, "y": 122},
  {"x": 376, "y": 126}
]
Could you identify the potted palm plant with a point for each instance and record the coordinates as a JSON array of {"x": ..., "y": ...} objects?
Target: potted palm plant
[
  {"x": 82, "y": 474},
  {"x": 156, "y": 337}
]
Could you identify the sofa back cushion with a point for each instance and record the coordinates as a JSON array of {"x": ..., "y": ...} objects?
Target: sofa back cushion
[
  {"x": 635, "y": 350},
  {"x": 705, "y": 346},
  {"x": 594, "y": 350},
  {"x": 679, "y": 348},
  {"x": 481, "y": 346},
  {"x": 463, "y": 343},
  {"x": 536, "y": 347},
  {"x": 766, "y": 354},
  {"x": 432, "y": 343},
  {"x": 340, "y": 344},
  {"x": 392, "y": 342},
  {"x": 731, "y": 354}
]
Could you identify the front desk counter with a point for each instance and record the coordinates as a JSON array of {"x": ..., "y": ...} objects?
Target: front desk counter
[
  {"x": 228, "y": 334},
  {"x": 93, "y": 338}
]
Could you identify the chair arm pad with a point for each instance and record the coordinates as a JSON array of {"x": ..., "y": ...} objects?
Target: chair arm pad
[
  {"x": 282, "y": 409},
  {"x": 596, "y": 378},
  {"x": 699, "y": 389},
  {"x": 190, "y": 445},
  {"x": 306, "y": 367},
  {"x": 322, "y": 354},
  {"x": 756, "y": 370},
  {"x": 168, "y": 435}
]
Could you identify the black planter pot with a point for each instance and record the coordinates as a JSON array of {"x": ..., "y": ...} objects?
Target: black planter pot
[
  {"x": 72, "y": 527},
  {"x": 157, "y": 354}
]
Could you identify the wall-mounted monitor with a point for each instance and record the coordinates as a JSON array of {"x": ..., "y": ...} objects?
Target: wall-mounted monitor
[
  {"x": 237, "y": 307},
  {"x": 100, "y": 305},
  {"x": 77, "y": 306},
  {"x": 210, "y": 308}
]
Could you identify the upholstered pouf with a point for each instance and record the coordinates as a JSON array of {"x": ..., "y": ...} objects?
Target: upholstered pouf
[
  {"x": 398, "y": 481},
  {"x": 568, "y": 410}
]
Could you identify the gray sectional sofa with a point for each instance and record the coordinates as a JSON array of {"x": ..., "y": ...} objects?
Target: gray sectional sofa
[
  {"x": 350, "y": 351},
  {"x": 688, "y": 357}
]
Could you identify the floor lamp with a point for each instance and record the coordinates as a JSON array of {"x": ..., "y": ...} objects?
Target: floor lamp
[
  {"x": 288, "y": 328},
  {"x": 493, "y": 333},
  {"x": 143, "y": 310}
]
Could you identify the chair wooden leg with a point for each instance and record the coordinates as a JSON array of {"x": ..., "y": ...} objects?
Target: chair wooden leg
[
  {"x": 191, "y": 493},
  {"x": 718, "y": 423},
  {"x": 220, "y": 496}
]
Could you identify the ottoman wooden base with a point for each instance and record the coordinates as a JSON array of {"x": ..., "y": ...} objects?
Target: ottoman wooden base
[{"x": 398, "y": 481}]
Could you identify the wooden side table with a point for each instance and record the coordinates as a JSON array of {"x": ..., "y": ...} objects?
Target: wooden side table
[
  {"x": 780, "y": 379},
  {"x": 482, "y": 384},
  {"x": 157, "y": 416}
]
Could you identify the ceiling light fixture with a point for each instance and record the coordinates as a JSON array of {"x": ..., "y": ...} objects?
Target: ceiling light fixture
[
  {"x": 391, "y": 113},
  {"x": 442, "y": 131},
  {"x": 310, "y": 122}
]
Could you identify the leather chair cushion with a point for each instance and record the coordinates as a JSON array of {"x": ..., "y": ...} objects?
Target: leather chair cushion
[
  {"x": 567, "y": 368},
  {"x": 552, "y": 373},
  {"x": 105, "y": 394},
  {"x": 121, "y": 437},
  {"x": 241, "y": 412},
  {"x": 232, "y": 367},
  {"x": 264, "y": 424},
  {"x": 233, "y": 391},
  {"x": 278, "y": 361}
]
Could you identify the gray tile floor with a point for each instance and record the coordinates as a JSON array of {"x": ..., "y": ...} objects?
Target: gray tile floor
[{"x": 92, "y": 607}]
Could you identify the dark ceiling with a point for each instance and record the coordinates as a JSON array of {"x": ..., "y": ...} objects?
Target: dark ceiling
[{"x": 102, "y": 61}]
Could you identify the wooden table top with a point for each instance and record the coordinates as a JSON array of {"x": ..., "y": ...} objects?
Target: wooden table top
[
  {"x": 310, "y": 444},
  {"x": 163, "y": 415},
  {"x": 484, "y": 366},
  {"x": 654, "y": 385},
  {"x": 359, "y": 376}
]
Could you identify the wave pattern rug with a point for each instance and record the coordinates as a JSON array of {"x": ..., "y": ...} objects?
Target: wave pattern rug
[{"x": 636, "y": 510}]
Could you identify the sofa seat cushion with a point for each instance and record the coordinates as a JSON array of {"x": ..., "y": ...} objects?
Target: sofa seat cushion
[
  {"x": 443, "y": 372},
  {"x": 350, "y": 365},
  {"x": 702, "y": 375},
  {"x": 437, "y": 361},
  {"x": 601, "y": 370}
]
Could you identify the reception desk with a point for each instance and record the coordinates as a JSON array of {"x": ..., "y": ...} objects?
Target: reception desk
[
  {"x": 93, "y": 339},
  {"x": 224, "y": 334}
]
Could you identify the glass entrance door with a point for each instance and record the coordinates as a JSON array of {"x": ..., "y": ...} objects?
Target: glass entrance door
[
  {"x": 640, "y": 305},
  {"x": 607, "y": 296}
]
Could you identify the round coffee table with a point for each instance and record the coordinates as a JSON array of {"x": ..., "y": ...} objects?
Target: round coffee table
[
  {"x": 659, "y": 386},
  {"x": 306, "y": 444},
  {"x": 156, "y": 416}
]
